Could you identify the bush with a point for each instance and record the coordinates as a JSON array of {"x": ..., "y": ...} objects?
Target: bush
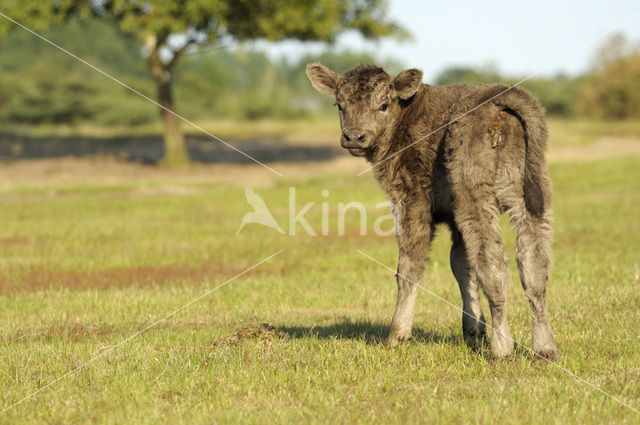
[
  {"x": 558, "y": 94},
  {"x": 613, "y": 91},
  {"x": 49, "y": 101}
]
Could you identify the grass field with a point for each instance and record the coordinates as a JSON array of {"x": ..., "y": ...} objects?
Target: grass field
[{"x": 87, "y": 262}]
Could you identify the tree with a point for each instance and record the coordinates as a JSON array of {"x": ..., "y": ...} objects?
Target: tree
[{"x": 167, "y": 29}]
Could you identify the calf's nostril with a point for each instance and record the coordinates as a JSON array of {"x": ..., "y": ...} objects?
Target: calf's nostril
[{"x": 354, "y": 137}]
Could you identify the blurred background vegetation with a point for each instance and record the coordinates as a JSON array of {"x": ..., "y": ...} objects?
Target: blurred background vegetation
[
  {"x": 162, "y": 33},
  {"x": 222, "y": 75},
  {"x": 38, "y": 86}
]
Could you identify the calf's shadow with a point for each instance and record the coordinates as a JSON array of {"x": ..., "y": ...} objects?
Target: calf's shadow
[{"x": 371, "y": 333}]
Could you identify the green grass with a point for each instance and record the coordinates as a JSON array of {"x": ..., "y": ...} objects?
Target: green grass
[
  {"x": 580, "y": 132},
  {"x": 83, "y": 267}
]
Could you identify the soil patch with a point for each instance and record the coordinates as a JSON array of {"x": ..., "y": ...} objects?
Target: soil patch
[{"x": 261, "y": 332}]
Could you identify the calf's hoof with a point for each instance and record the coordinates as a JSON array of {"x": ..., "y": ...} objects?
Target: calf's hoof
[
  {"x": 550, "y": 354},
  {"x": 395, "y": 338},
  {"x": 474, "y": 338},
  {"x": 543, "y": 343},
  {"x": 501, "y": 344}
]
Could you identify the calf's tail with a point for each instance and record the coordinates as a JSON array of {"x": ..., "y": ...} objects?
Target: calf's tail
[{"x": 526, "y": 107}]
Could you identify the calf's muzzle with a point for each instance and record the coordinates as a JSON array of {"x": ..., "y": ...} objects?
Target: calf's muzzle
[{"x": 352, "y": 139}]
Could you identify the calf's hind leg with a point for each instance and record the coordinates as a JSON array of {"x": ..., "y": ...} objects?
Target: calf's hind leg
[
  {"x": 487, "y": 256},
  {"x": 473, "y": 324},
  {"x": 533, "y": 245}
]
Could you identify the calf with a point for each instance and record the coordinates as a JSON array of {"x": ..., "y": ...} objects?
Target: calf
[{"x": 470, "y": 165}]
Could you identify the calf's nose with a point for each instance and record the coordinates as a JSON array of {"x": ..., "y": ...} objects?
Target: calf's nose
[{"x": 354, "y": 137}]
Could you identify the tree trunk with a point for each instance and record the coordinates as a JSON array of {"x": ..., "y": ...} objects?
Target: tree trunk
[
  {"x": 174, "y": 143},
  {"x": 175, "y": 148}
]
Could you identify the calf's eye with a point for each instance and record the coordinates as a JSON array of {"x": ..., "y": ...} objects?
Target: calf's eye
[
  {"x": 384, "y": 107},
  {"x": 339, "y": 106}
]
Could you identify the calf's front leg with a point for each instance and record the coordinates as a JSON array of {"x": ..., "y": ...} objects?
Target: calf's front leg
[{"x": 414, "y": 239}]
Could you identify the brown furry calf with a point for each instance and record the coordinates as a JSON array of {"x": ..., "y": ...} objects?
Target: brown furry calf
[{"x": 466, "y": 174}]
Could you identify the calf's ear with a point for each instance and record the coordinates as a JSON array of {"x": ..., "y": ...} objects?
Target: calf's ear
[
  {"x": 322, "y": 78},
  {"x": 407, "y": 83}
]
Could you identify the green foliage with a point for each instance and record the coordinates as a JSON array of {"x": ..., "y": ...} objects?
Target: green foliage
[
  {"x": 241, "y": 84},
  {"x": 40, "y": 14},
  {"x": 62, "y": 100},
  {"x": 161, "y": 18},
  {"x": 557, "y": 94},
  {"x": 39, "y": 84},
  {"x": 308, "y": 19},
  {"x": 248, "y": 84},
  {"x": 612, "y": 89},
  {"x": 208, "y": 20}
]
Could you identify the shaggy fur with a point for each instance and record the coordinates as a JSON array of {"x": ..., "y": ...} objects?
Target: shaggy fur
[{"x": 488, "y": 162}]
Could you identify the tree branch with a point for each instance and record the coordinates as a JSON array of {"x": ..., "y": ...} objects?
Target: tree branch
[{"x": 177, "y": 54}]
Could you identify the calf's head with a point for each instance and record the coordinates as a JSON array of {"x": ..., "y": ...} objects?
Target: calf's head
[{"x": 369, "y": 101}]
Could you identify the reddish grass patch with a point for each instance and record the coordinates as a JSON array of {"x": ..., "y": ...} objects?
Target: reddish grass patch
[
  {"x": 42, "y": 279},
  {"x": 13, "y": 240},
  {"x": 60, "y": 331},
  {"x": 66, "y": 330},
  {"x": 74, "y": 331}
]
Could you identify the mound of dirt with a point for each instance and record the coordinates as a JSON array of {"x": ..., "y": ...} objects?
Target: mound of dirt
[{"x": 262, "y": 332}]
